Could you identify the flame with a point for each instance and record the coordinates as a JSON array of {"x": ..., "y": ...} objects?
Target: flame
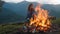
[{"x": 40, "y": 18}]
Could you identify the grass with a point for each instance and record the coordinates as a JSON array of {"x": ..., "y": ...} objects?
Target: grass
[
  {"x": 14, "y": 27},
  {"x": 9, "y": 28},
  {"x": 57, "y": 21}
]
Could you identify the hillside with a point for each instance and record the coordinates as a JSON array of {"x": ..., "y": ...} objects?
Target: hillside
[
  {"x": 7, "y": 15},
  {"x": 14, "y": 28},
  {"x": 16, "y": 12},
  {"x": 21, "y": 8}
]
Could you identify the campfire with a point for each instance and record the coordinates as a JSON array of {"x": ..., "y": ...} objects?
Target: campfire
[
  {"x": 40, "y": 22},
  {"x": 40, "y": 19}
]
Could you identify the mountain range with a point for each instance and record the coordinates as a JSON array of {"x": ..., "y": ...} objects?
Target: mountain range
[{"x": 18, "y": 11}]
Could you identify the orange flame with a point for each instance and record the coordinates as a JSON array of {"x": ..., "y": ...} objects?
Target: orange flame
[{"x": 40, "y": 19}]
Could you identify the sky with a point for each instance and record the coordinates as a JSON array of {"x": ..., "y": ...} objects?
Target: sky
[{"x": 39, "y": 1}]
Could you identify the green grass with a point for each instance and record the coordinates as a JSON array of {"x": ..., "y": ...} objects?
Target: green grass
[
  {"x": 57, "y": 21},
  {"x": 9, "y": 28},
  {"x": 14, "y": 27}
]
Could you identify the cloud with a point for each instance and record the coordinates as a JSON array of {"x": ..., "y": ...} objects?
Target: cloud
[
  {"x": 46, "y": 1},
  {"x": 13, "y": 1},
  {"x": 39, "y": 1},
  {"x": 54, "y": 2}
]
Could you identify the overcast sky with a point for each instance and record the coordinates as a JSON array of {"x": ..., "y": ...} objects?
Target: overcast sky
[{"x": 39, "y": 1}]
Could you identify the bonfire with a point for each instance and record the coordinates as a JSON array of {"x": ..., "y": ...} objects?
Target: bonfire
[{"x": 40, "y": 20}]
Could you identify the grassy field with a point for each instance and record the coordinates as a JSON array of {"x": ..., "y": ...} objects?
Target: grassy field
[
  {"x": 57, "y": 21},
  {"x": 9, "y": 28},
  {"x": 12, "y": 28}
]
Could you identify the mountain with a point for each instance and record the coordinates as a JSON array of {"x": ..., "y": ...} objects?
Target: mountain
[
  {"x": 18, "y": 11},
  {"x": 6, "y": 16},
  {"x": 21, "y": 8},
  {"x": 54, "y": 10}
]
